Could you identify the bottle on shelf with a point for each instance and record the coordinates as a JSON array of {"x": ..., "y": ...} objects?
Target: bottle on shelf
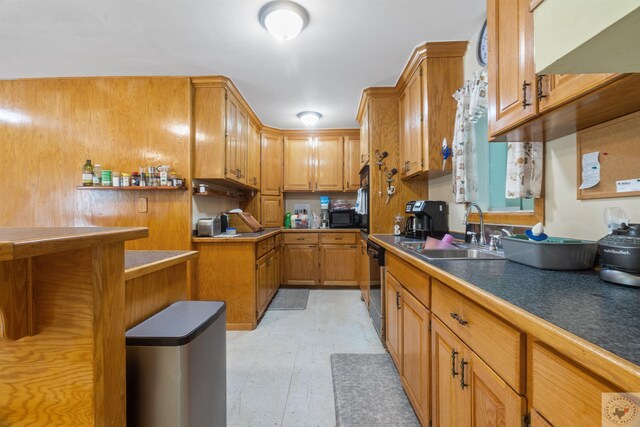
[
  {"x": 287, "y": 220},
  {"x": 87, "y": 174},
  {"x": 97, "y": 175}
]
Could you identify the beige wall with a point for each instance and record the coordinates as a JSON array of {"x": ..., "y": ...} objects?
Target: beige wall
[{"x": 565, "y": 216}]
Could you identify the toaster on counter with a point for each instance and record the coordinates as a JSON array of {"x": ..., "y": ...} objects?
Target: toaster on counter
[{"x": 209, "y": 227}]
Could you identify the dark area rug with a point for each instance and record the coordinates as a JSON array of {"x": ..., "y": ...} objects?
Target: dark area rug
[
  {"x": 368, "y": 392},
  {"x": 290, "y": 299}
]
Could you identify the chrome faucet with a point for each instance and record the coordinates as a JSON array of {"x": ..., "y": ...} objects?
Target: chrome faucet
[{"x": 465, "y": 221}]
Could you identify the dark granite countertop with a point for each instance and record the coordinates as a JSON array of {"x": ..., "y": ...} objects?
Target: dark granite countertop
[
  {"x": 577, "y": 301},
  {"x": 268, "y": 232}
]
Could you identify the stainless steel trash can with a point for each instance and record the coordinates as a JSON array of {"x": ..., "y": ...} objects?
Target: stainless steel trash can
[{"x": 176, "y": 367}]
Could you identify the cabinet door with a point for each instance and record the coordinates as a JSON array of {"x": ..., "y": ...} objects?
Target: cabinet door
[
  {"x": 262, "y": 285},
  {"x": 557, "y": 89},
  {"x": 253, "y": 157},
  {"x": 338, "y": 264},
  {"x": 493, "y": 402},
  {"x": 411, "y": 142},
  {"x": 538, "y": 420},
  {"x": 351, "y": 164},
  {"x": 447, "y": 399},
  {"x": 416, "y": 354},
  {"x": 364, "y": 139},
  {"x": 271, "y": 211},
  {"x": 275, "y": 271},
  {"x": 301, "y": 264},
  {"x": 363, "y": 265},
  {"x": 232, "y": 168},
  {"x": 298, "y": 164},
  {"x": 242, "y": 145},
  {"x": 329, "y": 164},
  {"x": 512, "y": 87},
  {"x": 271, "y": 182},
  {"x": 393, "y": 318}
]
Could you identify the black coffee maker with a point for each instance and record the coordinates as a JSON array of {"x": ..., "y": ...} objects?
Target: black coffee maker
[{"x": 429, "y": 219}]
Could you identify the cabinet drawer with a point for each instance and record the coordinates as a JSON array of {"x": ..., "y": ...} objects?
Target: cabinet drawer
[
  {"x": 563, "y": 392},
  {"x": 300, "y": 238},
  {"x": 497, "y": 343},
  {"x": 277, "y": 240},
  {"x": 264, "y": 246},
  {"x": 338, "y": 238},
  {"x": 412, "y": 279}
]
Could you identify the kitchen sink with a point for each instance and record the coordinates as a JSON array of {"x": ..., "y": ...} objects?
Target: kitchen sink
[{"x": 464, "y": 251}]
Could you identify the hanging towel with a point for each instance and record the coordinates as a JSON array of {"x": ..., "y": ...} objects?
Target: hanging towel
[
  {"x": 358, "y": 208},
  {"x": 524, "y": 170}
]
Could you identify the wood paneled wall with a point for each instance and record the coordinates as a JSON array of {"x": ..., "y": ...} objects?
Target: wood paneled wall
[
  {"x": 49, "y": 127},
  {"x": 384, "y": 135}
]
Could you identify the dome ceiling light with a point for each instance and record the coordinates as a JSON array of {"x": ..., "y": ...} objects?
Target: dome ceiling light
[
  {"x": 309, "y": 118},
  {"x": 283, "y": 19}
]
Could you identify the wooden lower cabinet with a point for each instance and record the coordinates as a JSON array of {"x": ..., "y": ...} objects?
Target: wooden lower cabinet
[
  {"x": 466, "y": 391},
  {"x": 415, "y": 354},
  {"x": 242, "y": 274},
  {"x": 338, "y": 264},
  {"x": 393, "y": 319},
  {"x": 301, "y": 264}
]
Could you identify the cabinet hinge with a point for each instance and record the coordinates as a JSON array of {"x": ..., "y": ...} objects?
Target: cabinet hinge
[
  {"x": 430, "y": 423},
  {"x": 421, "y": 76},
  {"x": 421, "y": 163},
  {"x": 526, "y": 420},
  {"x": 422, "y": 117},
  {"x": 429, "y": 331},
  {"x": 226, "y": 95}
]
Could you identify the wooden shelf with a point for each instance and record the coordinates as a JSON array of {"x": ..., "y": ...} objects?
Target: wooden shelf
[
  {"x": 133, "y": 188},
  {"x": 218, "y": 193}
]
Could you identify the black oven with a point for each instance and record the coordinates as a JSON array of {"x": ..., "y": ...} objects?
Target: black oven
[
  {"x": 341, "y": 218},
  {"x": 364, "y": 199}
]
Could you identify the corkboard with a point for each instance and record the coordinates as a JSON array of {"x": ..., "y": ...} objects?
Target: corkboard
[{"x": 618, "y": 142}]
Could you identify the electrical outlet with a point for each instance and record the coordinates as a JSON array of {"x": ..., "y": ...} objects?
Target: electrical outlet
[{"x": 143, "y": 205}]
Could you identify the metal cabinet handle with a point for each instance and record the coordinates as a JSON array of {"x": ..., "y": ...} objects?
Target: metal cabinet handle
[
  {"x": 462, "y": 365},
  {"x": 540, "y": 92},
  {"x": 338, "y": 238},
  {"x": 398, "y": 300},
  {"x": 460, "y": 320},
  {"x": 525, "y": 104},
  {"x": 453, "y": 363}
]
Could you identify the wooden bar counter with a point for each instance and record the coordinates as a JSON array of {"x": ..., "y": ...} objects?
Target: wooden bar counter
[{"x": 62, "y": 324}]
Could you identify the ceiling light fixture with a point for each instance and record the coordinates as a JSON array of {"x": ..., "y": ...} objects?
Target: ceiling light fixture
[
  {"x": 309, "y": 118},
  {"x": 283, "y": 19}
]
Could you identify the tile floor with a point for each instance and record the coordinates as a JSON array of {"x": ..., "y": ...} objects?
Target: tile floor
[{"x": 280, "y": 373}]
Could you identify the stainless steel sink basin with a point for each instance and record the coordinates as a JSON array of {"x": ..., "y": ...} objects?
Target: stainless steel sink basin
[{"x": 463, "y": 252}]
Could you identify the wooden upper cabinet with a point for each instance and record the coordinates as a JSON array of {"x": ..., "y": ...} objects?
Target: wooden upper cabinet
[
  {"x": 328, "y": 163},
  {"x": 512, "y": 82},
  {"x": 271, "y": 182},
  {"x": 364, "y": 139},
  {"x": 556, "y": 89},
  {"x": 351, "y": 164},
  {"x": 411, "y": 126},
  {"x": 232, "y": 166},
  {"x": 298, "y": 164},
  {"x": 253, "y": 157},
  {"x": 271, "y": 211},
  {"x": 209, "y": 118},
  {"x": 242, "y": 145}
]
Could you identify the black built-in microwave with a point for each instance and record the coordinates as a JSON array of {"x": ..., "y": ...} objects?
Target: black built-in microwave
[{"x": 341, "y": 218}]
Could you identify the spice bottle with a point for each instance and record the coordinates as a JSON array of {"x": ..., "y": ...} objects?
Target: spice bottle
[
  {"x": 125, "y": 179},
  {"x": 135, "y": 179},
  {"x": 97, "y": 174},
  {"x": 87, "y": 174}
]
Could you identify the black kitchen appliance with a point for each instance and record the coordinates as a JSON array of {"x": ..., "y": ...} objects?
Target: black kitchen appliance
[
  {"x": 376, "y": 287},
  {"x": 341, "y": 218},
  {"x": 429, "y": 219},
  {"x": 620, "y": 254},
  {"x": 364, "y": 195}
]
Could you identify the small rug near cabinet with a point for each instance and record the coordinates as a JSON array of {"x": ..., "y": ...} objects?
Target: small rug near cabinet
[
  {"x": 368, "y": 392},
  {"x": 290, "y": 299}
]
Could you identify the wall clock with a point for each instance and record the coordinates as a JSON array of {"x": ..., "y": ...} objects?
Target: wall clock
[{"x": 483, "y": 46}]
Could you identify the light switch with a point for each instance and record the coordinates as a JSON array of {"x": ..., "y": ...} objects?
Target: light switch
[{"x": 143, "y": 205}]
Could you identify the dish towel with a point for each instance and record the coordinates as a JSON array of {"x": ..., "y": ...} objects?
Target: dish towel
[
  {"x": 358, "y": 209},
  {"x": 524, "y": 170}
]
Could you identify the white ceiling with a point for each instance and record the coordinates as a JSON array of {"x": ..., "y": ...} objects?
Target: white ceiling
[{"x": 349, "y": 45}]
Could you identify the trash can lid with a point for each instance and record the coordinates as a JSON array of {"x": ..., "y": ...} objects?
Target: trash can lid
[{"x": 176, "y": 325}]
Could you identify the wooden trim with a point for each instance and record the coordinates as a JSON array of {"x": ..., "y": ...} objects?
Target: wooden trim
[
  {"x": 429, "y": 50},
  {"x": 132, "y": 273},
  {"x": 534, "y": 3},
  {"x": 313, "y": 133}
]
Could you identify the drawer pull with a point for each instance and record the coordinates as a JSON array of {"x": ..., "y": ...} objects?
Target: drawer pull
[
  {"x": 453, "y": 363},
  {"x": 462, "y": 365},
  {"x": 458, "y": 318},
  {"x": 398, "y": 300},
  {"x": 338, "y": 238}
]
